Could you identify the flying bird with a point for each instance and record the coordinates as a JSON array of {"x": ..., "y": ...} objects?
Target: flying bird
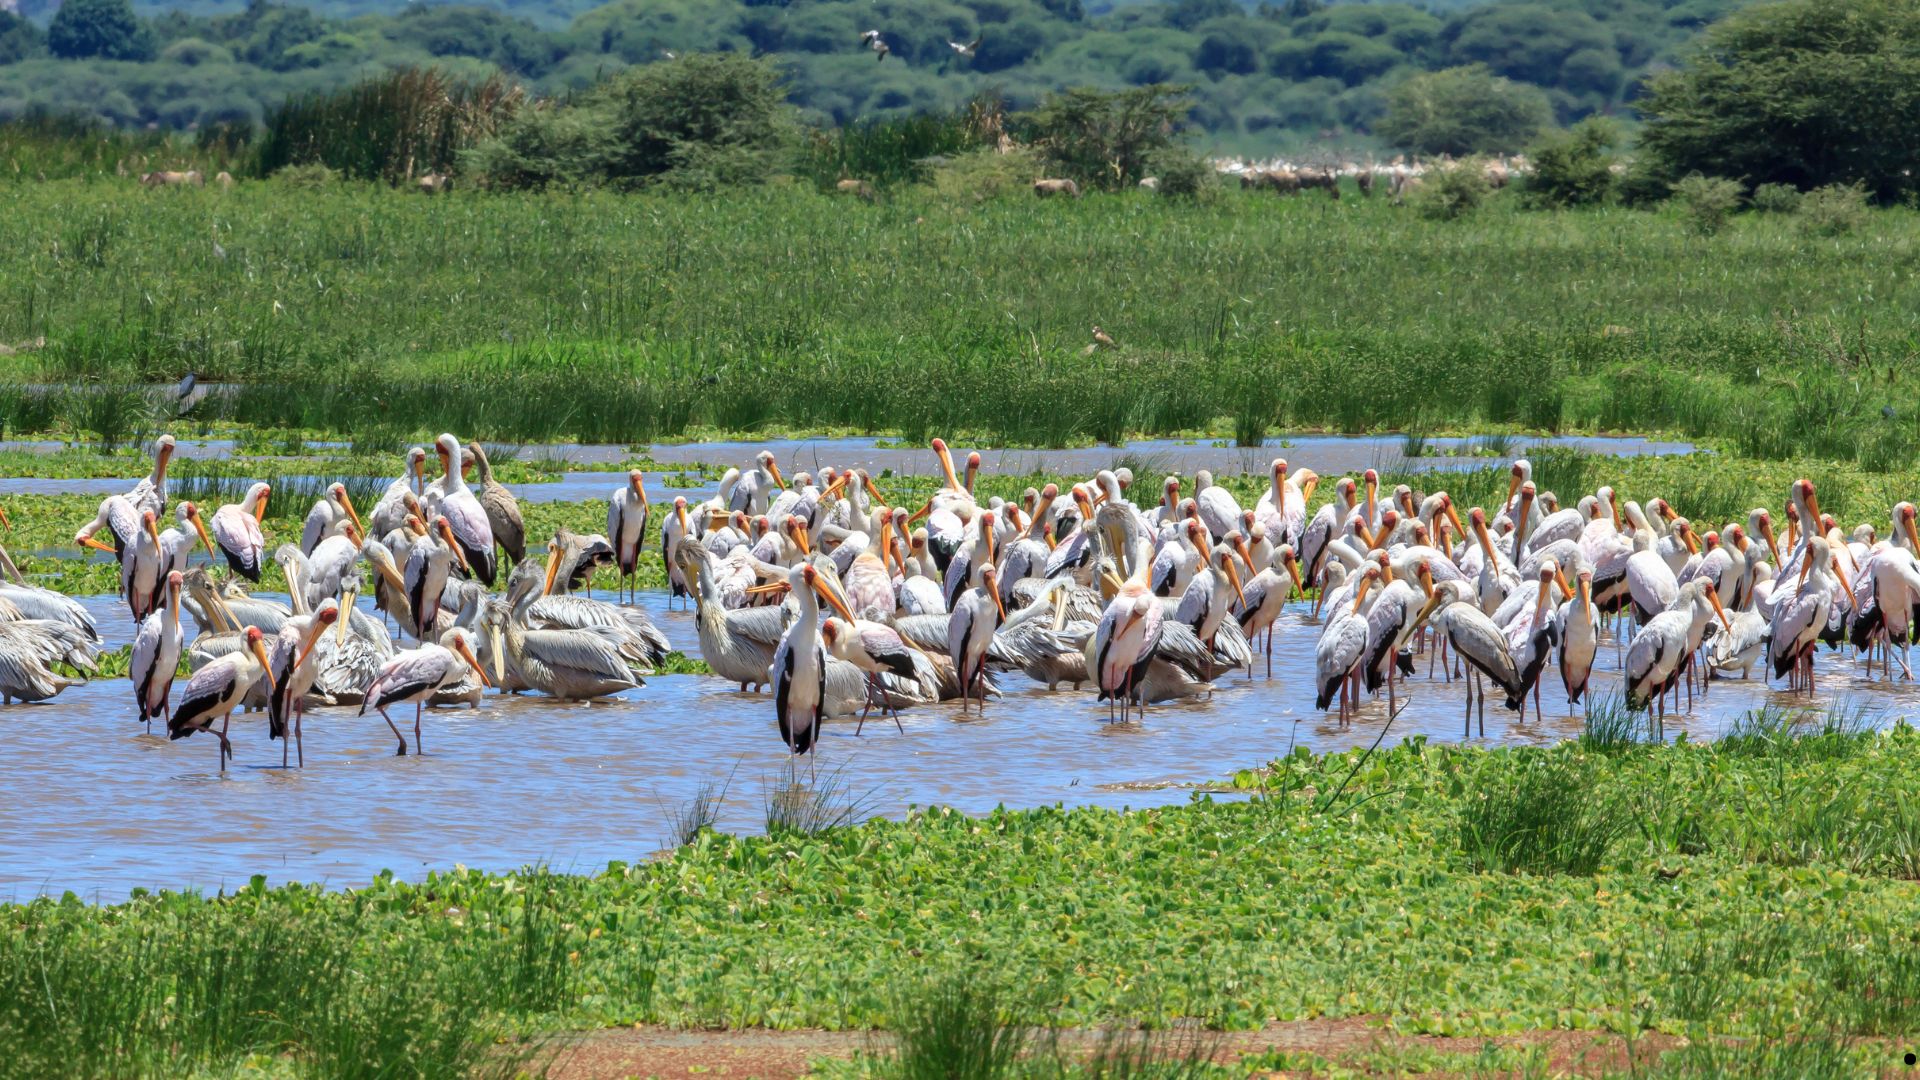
[
  {"x": 967, "y": 49},
  {"x": 872, "y": 40}
]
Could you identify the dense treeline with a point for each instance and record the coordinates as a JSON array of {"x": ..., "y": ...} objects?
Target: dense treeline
[{"x": 1279, "y": 74}]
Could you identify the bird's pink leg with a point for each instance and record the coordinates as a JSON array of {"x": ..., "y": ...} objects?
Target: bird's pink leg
[
  {"x": 402, "y": 752},
  {"x": 419, "y": 747}
]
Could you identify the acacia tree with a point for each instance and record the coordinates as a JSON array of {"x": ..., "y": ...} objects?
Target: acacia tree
[
  {"x": 1806, "y": 92},
  {"x": 1108, "y": 139},
  {"x": 1463, "y": 110}
]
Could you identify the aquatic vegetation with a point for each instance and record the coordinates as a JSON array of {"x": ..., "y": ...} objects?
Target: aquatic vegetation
[{"x": 1231, "y": 912}]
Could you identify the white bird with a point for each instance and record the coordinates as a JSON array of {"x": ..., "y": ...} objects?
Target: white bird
[
  {"x": 1531, "y": 636},
  {"x": 872, "y": 40},
  {"x": 456, "y": 502},
  {"x": 1342, "y": 649},
  {"x": 755, "y": 488},
  {"x": 1659, "y": 653},
  {"x": 156, "y": 656},
  {"x": 975, "y": 616},
  {"x": 151, "y": 492},
  {"x": 42, "y": 604},
  {"x": 116, "y": 514},
  {"x": 176, "y": 543},
  {"x": 237, "y": 535},
  {"x": 800, "y": 663},
  {"x": 1651, "y": 584},
  {"x": 142, "y": 569},
  {"x": 1328, "y": 524},
  {"x": 430, "y": 562},
  {"x": 391, "y": 511},
  {"x": 965, "y": 48},
  {"x": 417, "y": 674},
  {"x": 326, "y": 518},
  {"x": 1741, "y": 646},
  {"x": 1800, "y": 613},
  {"x": 627, "y": 513},
  {"x": 217, "y": 689},
  {"x": 877, "y": 650},
  {"x": 1579, "y": 639},
  {"x": 1265, "y": 597},
  {"x": 1474, "y": 638},
  {"x": 1219, "y": 511},
  {"x": 294, "y": 667},
  {"x": 739, "y": 643},
  {"x": 1176, "y": 562},
  {"x": 1397, "y": 613}
]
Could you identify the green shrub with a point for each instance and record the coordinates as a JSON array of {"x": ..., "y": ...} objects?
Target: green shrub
[
  {"x": 310, "y": 176},
  {"x": 543, "y": 147},
  {"x": 1107, "y": 139},
  {"x": 1446, "y": 194},
  {"x": 1776, "y": 198},
  {"x": 1643, "y": 184},
  {"x": 985, "y": 174},
  {"x": 1183, "y": 174},
  {"x": 1833, "y": 210},
  {"x": 703, "y": 122},
  {"x": 1707, "y": 201},
  {"x": 1572, "y": 169}
]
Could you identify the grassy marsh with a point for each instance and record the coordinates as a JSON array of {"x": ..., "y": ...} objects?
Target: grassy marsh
[{"x": 504, "y": 316}]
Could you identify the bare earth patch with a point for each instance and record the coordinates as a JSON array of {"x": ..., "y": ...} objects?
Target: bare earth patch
[{"x": 645, "y": 1051}]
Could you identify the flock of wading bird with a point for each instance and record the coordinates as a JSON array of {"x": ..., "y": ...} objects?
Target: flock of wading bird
[{"x": 1147, "y": 603}]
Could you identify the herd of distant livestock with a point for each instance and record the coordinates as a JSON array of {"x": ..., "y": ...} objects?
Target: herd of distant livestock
[
  {"x": 430, "y": 184},
  {"x": 1398, "y": 177}
]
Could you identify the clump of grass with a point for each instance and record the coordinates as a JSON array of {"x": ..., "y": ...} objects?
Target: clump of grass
[
  {"x": 1545, "y": 817},
  {"x": 1497, "y": 445},
  {"x": 1708, "y": 977},
  {"x": 1790, "y": 1057},
  {"x": 697, "y": 815},
  {"x": 333, "y": 987},
  {"x": 1840, "y": 730},
  {"x": 813, "y": 806},
  {"x": 953, "y": 1026},
  {"x": 1414, "y": 444},
  {"x": 1609, "y": 727}
]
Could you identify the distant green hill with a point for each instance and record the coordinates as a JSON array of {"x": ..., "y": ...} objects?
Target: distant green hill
[{"x": 1268, "y": 78}]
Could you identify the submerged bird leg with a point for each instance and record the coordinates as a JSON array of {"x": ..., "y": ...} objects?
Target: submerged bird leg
[
  {"x": 419, "y": 747},
  {"x": 402, "y": 752},
  {"x": 299, "y": 715}
]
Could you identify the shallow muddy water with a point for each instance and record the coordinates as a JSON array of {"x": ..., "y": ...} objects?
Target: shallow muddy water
[
  {"x": 89, "y": 803},
  {"x": 1330, "y": 455}
]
